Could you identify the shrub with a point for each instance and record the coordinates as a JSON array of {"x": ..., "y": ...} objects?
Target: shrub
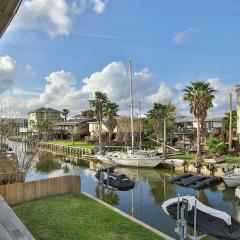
[{"x": 215, "y": 146}]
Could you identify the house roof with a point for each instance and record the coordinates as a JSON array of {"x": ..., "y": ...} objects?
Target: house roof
[
  {"x": 186, "y": 119},
  {"x": 8, "y": 9},
  {"x": 43, "y": 109}
]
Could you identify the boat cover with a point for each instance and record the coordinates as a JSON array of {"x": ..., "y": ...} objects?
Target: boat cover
[
  {"x": 191, "y": 203},
  {"x": 119, "y": 181},
  {"x": 209, "y": 221}
]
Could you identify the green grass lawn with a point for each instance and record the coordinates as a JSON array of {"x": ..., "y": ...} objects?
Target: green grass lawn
[
  {"x": 75, "y": 217},
  {"x": 80, "y": 144},
  {"x": 187, "y": 157}
]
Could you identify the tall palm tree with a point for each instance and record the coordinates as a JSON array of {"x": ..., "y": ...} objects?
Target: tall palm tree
[
  {"x": 200, "y": 96},
  {"x": 65, "y": 113},
  {"x": 162, "y": 114},
  {"x": 98, "y": 107},
  {"x": 110, "y": 111}
]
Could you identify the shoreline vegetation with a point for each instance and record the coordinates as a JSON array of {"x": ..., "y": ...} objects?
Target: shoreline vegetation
[{"x": 75, "y": 216}]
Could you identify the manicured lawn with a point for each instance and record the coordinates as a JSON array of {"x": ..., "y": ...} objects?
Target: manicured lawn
[
  {"x": 75, "y": 217},
  {"x": 80, "y": 144},
  {"x": 187, "y": 157}
]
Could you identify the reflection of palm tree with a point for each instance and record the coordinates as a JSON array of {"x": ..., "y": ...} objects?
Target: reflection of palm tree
[
  {"x": 160, "y": 190},
  {"x": 202, "y": 197},
  {"x": 109, "y": 197}
]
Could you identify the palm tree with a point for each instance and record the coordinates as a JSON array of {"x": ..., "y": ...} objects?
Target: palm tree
[
  {"x": 110, "y": 111},
  {"x": 162, "y": 114},
  {"x": 65, "y": 113},
  {"x": 98, "y": 107},
  {"x": 200, "y": 96}
]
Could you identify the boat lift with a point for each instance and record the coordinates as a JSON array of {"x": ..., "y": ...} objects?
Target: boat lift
[{"x": 181, "y": 228}]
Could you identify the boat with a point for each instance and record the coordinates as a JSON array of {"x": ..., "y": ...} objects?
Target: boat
[
  {"x": 109, "y": 178},
  {"x": 232, "y": 178},
  {"x": 132, "y": 157},
  {"x": 209, "y": 221},
  {"x": 237, "y": 192}
]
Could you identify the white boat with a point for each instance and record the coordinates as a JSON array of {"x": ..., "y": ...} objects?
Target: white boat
[
  {"x": 237, "y": 192},
  {"x": 232, "y": 178},
  {"x": 133, "y": 157}
]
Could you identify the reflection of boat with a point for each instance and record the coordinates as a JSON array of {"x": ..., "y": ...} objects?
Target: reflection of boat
[
  {"x": 232, "y": 178},
  {"x": 209, "y": 220},
  {"x": 109, "y": 178}
]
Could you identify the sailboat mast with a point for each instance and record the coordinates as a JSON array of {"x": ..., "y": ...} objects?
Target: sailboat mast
[
  {"x": 131, "y": 99},
  {"x": 140, "y": 126}
]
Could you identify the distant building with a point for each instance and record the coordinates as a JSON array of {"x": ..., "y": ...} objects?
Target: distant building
[
  {"x": 189, "y": 124},
  {"x": 41, "y": 114},
  {"x": 16, "y": 124}
]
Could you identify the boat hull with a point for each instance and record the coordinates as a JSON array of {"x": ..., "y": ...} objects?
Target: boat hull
[{"x": 232, "y": 180}]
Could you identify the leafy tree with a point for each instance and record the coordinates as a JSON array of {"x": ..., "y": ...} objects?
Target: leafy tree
[
  {"x": 200, "y": 96},
  {"x": 161, "y": 115},
  {"x": 97, "y": 106},
  {"x": 65, "y": 113},
  {"x": 226, "y": 121},
  {"x": 215, "y": 146},
  {"x": 110, "y": 112}
]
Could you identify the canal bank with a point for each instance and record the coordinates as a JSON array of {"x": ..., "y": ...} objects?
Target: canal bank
[{"x": 145, "y": 200}]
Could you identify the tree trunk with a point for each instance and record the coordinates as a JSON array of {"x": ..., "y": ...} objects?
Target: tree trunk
[
  {"x": 100, "y": 134},
  {"x": 110, "y": 136},
  {"x": 198, "y": 139},
  {"x": 164, "y": 136}
]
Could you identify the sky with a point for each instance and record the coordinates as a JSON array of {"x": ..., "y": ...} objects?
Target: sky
[{"x": 58, "y": 53}]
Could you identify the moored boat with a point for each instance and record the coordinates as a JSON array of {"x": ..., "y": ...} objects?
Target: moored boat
[
  {"x": 119, "y": 181},
  {"x": 232, "y": 178},
  {"x": 208, "y": 220}
]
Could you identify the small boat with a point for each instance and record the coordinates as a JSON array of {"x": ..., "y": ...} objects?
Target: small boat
[
  {"x": 210, "y": 221},
  {"x": 118, "y": 181},
  {"x": 181, "y": 177},
  {"x": 237, "y": 192},
  {"x": 205, "y": 182},
  {"x": 232, "y": 178}
]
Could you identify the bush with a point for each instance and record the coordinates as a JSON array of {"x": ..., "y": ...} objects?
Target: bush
[{"x": 215, "y": 146}]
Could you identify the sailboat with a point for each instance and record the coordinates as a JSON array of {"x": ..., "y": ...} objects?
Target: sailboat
[{"x": 132, "y": 157}]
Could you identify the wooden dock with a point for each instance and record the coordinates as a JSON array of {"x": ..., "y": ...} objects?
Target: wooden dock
[{"x": 77, "y": 152}]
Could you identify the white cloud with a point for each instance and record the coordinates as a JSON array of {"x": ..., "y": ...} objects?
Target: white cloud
[
  {"x": 8, "y": 68},
  {"x": 183, "y": 36},
  {"x": 54, "y": 17},
  {"x": 221, "y": 101},
  {"x": 164, "y": 93},
  {"x": 50, "y": 16},
  {"x": 61, "y": 90},
  {"x": 99, "y": 5}
]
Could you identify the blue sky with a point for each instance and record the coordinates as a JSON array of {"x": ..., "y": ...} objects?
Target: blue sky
[{"x": 60, "y": 52}]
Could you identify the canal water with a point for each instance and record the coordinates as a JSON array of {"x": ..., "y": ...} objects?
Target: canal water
[{"x": 145, "y": 200}]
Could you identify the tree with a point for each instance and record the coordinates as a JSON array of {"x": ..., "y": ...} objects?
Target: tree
[
  {"x": 65, "y": 113},
  {"x": 200, "y": 96},
  {"x": 110, "y": 111},
  {"x": 162, "y": 114},
  {"x": 97, "y": 106},
  {"x": 226, "y": 121}
]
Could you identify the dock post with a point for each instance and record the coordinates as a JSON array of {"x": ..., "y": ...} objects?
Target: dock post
[
  {"x": 195, "y": 220},
  {"x": 107, "y": 177}
]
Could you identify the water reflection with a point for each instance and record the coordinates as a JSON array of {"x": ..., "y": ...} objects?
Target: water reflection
[{"x": 145, "y": 200}]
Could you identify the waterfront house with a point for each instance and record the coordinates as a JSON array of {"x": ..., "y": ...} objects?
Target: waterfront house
[{"x": 41, "y": 114}]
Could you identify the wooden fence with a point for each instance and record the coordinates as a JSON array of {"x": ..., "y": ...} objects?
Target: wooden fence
[{"x": 21, "y": 192}]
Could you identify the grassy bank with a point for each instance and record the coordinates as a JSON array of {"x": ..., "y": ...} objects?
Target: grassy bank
[
  {"x": 74, "y": 217},
  {"x": 80, "y": 144}
]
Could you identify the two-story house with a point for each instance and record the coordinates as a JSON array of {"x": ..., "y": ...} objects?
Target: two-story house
[{"x": 41, "y": 114}]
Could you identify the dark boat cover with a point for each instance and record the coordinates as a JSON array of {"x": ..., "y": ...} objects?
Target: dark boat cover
[
  {"x": 209, "y": 221},
  {"x": 119, "y": 181}
]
